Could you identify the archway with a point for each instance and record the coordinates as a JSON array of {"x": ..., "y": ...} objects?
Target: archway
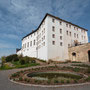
[
  {"x": 89, "y": 55},
  {"x": 74, "y": 56}
]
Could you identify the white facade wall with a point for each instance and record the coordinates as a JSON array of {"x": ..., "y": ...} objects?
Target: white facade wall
[
  {"x": 39, "y": 50},
  {"x": 57, "y": 52},
  {"x": 44, "y": 48},
  {"x": 31, "y": 49}
]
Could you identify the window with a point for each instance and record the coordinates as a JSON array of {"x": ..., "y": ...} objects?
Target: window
[
  {"x": 53, "y": 35},
  {"x": 70, "y": 33},
  {"x": 77, "y": 35},
  {"x": 73, "y": 54},
  {"x": 68, "y": 45},
  {"x": 60, "y": 37},
  {"x": 74, "y": 28},
  {"x": 60, "y": 23},
  {"x": 53, "y": 42},
  {"x": 31, "y": 43},
  {"x": 74, "y": 34},
  {"x": 53, "y": 20},
  {"x": 39, "y": 36},
  {"x": 40, "y": 41},
  {"x": 44, "y": 37},
  {"x": 61, "y": 31},
  {"x": 69, "y": 26},
  {"x": 81, "y": 30},
  {"x": 84, "y": 31},
  {"x": 28, "y": 44},
  {"x": 44, "y": 30},
  {"x": 36, "y": 48},
  {"x": 43, "y": 22},
  {"x": 77, "y": 29},
  {"x": 60, "y": 43},
  {"x": 67, "y": 32},
  {"x": 37, "y": 31},
  {"x": 25, "y": 45},
  {"x": 66, "y": 25},
  {"x": 31, "y": 35},
  {"x": 82, "y": 37},
  {"x": 53, "y": 28},
  {"x": 43, "y": 43},
  {"x": 42, "y": 25},
  {"x": 39, "y": 46},
  {"x": 34, "y": 34},
  {"x": 34, "y": 42}
]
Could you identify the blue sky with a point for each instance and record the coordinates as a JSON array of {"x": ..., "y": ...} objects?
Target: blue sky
[{"x": 20, "y": 17}]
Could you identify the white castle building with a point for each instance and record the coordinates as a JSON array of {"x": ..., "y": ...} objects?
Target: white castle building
[{"x": 50, "y": 41}]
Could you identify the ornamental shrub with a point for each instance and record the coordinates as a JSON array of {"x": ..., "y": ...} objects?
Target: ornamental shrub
[
  {"x": 56, "y": 81},
  {"x": 68, "y": 81},
  {"x": 20, "y": 78},
  {"x": 22, "y": 61},
  {"x": 11, "y": 58},
  {"x": 62, "y": 81}
]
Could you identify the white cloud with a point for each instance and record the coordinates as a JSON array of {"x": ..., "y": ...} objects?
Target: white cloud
[
  {"x": 70, "y": 9},
  {"x": 10, "y": 36},
  {"x": 25, "y": 15},
  {"x": 6, "y": 45}
]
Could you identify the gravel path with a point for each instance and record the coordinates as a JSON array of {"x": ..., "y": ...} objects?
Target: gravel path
[{"x": 5, "y": 84}]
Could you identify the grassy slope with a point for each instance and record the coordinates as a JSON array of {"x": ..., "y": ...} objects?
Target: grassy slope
[{"x": 18, "y": 65}]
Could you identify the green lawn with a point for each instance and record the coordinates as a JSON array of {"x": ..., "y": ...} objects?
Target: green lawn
[{"x": 18, "y": 65}]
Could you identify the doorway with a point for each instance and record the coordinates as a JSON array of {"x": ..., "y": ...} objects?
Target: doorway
[
  {"x": 74, "y": 56},
  {"x": 89, "y": 55}
]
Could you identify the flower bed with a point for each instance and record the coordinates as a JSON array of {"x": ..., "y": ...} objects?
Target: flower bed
[{"x": 50, "y": 75}]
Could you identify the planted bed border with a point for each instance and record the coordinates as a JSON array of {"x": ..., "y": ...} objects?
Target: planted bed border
[{"x": 35, "y": 85}]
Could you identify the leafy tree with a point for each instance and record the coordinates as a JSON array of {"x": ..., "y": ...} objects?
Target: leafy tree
[
  {"x": 3, "y": 60},
  {"x": 11, "y": 58}
]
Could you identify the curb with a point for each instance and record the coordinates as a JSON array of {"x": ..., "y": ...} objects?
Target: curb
[{"x": 49, "y": 86}]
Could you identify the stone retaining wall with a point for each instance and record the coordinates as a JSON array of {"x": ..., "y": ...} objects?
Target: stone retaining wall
[{"x": 79, "y": 53}]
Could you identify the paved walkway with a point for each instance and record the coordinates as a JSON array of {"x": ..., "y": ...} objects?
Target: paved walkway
[{"x": 5, "y": 84}]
